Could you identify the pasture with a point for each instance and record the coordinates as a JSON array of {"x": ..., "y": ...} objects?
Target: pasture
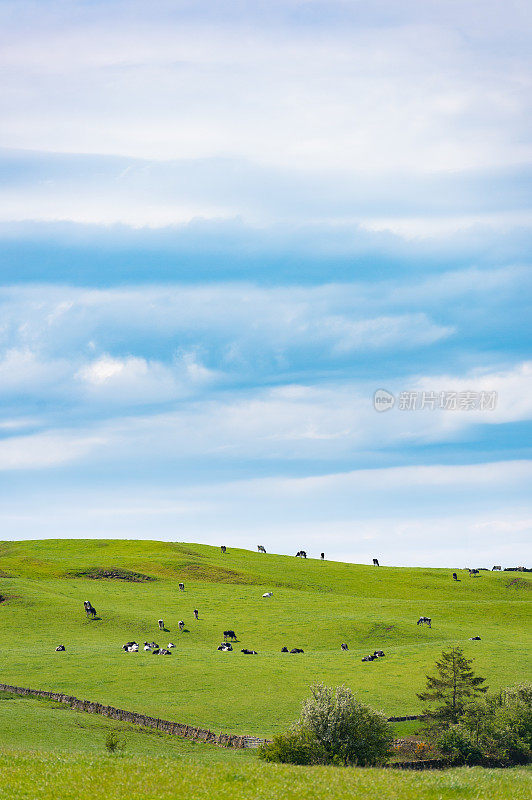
[{"x": 316, "y": 605}]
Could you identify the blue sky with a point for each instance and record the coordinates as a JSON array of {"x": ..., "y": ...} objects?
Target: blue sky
[{"x": 223, "y": 226}]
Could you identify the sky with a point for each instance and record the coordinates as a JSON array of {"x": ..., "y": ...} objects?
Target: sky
[{"x": 225, "y": 226}]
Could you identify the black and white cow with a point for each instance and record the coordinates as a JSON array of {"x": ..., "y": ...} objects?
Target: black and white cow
[
  {"x": 425, "y": 621},
  {"x": 89, "y": 608},
  {"x": 344, "y": 646},
  {"x": 261, "y": 549},
  {"x": 223, "y": 548},
  {"x": 230, "y": 635},
  {"x": 161, "y": 625},
  {"x": 249, "y": 652},
  {"x": 60, "y": 648},
  {"x": 496, "y": 568},
  {"x": 182, "y": 587},
  {"x": 196, "y": 613},
  {"x": 455, "y": 576},
  {"x": 181, "y": 625}
]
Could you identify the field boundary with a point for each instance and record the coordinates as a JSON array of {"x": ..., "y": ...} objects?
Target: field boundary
[{"x": 164, "y": 725}]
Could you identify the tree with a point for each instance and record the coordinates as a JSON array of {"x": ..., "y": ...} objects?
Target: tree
[
  {"x": 452, "y": 689},
  {"x": 334, "y": 728}
]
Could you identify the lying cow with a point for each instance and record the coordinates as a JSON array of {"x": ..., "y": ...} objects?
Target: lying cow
[
  {"x": 225, "y": 647},
  {"x": 60, "y": 649},
  {"x": 249, "y": 652},
  {"x": 267, "y": 594},
  {"x": 297, "y": 650},
  {"x": 285, "y": 650},
  {"x": 475, "y": 639}
]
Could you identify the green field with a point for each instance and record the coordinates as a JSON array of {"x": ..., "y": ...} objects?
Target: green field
[{"x": 316, "y": 605}]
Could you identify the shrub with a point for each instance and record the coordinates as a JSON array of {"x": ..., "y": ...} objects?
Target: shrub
[
  {"x": 113, "y": 742},
  {"x": 334, "y": 728}
]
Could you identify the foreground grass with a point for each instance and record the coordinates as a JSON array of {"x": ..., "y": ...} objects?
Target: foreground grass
[
  {"x": 26, "y": 776},
  {"x": 316, "y": 605}
]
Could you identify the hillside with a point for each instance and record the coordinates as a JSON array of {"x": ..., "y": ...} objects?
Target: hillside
[{"x": 315, "y": 605}]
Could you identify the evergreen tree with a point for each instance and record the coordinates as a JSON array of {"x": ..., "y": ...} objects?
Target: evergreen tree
[{"x": 454, "y": 686}]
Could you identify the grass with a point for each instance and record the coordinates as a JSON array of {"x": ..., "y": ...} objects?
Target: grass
[{"x": 316, "y": 605}]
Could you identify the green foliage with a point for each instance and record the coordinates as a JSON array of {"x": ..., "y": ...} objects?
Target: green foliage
[
  {"x": 334, "y": 728},
  {"x": 497, "y": 731},
  {"x": 452, "y": 688},
  {"x": 113, "y": 742}
]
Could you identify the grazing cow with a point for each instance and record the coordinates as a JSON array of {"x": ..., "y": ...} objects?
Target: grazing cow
[
  {"x": 182, "y": 587},
  {"x": 322, "y": 556},
  {"x": 89, "y": 608},
  {"x": 473, "y": 572},
  {"x": 376, "y": 562},
  {"x": 249, "y": 652},
  {"x": 161, "y": 625},
  {"x": 267, "y": 594},
  {"x": 297, "y": 650},
  {"x": 60, "y": 648},
  {"x": 223, "y": 548},
  {"x": 170, "y": 644},
  {"x": 425, "y": 621},
  {"x": 196, "y": 613},
  {"x": 344, "y": 646},
  {"x": 230, "y": 635},
  {"x": 285, "y": 650},
  {"x": 455, "y": 576},
  {"x": 261, "y": 549},
  {"x": 181, "y": 625},
  {"x": 301, "y": 554},
  {"x": 496, "y": 568}
]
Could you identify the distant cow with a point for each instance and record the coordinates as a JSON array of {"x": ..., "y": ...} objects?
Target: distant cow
[
  {"x": 285, "y": 650},
  {"x": 249, "y": 652},
  {"x": 369, "y": 658},
  {"x": 322, "y": 556},
  {"x": 196, "y": 613},
  {"x": 60, "y": 648},
  {"x": 376, "y": 562},
  {"x": 230, "y": 635},
  {"x": 161, "y": 625},
  {"x": 126, "y": 647},
  {"x": 181, "y": 625},
  {"x": 297, "y": 650},
  {"x": 89, "y": 608},
  {"x": 182, "y": 587},
  {"x": 261, "y": 549},
  {"x": 425, "y": 621},
  {"x": 378, "y": 653},
  {"x": 170, "y": 644},
  {"x": 496, "y": 568},
  {"x": 455, "y": 576},
  {"x": 475, "y": 639},
  {"x": 225, "y": 647},
  {"x": 165, "y": 652},
  {"x": 301, "y": 554},
  {"x": 223, "y": 548},
  {"x": 155, "y": 652},
  {"x": 267, "y": 594},
  {"x": 344, "y": 646},
  {"x": 473, "y": 572}
]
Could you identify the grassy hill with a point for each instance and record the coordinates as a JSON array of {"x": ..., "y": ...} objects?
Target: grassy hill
[{"x": 315, "y": 605}]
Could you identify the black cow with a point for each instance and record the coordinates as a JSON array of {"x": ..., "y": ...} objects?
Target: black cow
[
  {"x": 473, "y": 572},
  {"x": 261, "y": 549},
  {"x": 196, "y": 613},
  {"x": 181, "y": 625},
  {"x": 425, "y": 621},
  {"x": 60, "y": 648},
  {"x": 376, "y": 562},
  {"x": 285, "y": 650},
  {"x": 322, "y": 556},
  {"x": 249, "y": 652},
  {"x": 297, "y": 650},
  {"x": 230, "y": 635},
  {"x": 455, "y": 576},
  {"x": 475, "y": 639},
  {"x": 223, "y": 548},
  {"x": 344, "y": 647},
  {"x": 182, "y": 587}
]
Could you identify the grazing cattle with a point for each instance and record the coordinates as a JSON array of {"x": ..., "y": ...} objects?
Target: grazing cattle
[
  {"x": 225, "y": 647},
  {"x": 267, "y": 594},
  {"x": 473, "y": 572},
  {"x": 170, "y": 644},
  {"x": 181, "y": 625},
  {"x": 249, "y": 652},
  {"x": 285, "y": 650},
  {"x": 161, "y": 625},
  {"x": 344, "y": 647},
  {"x": 261, "y": 549},
  {"x": 60, "y": 648},
  {"x": 475, "y": 639},
  {"x": 89, "y": 608},
  {"x": 455, "y": 576},
  {"x": 182, "y": 587},
  {"x": 230, "y": 635},
  {"x": 297, "y": 650},
  {"x": 322, "y": 556},
  {"x": 425, "y": 621},
  {"x": 496, "y": 568},
  {"x": 301, "y": 554},
  {"x": 223, "y": 548},
  {"x": 196, "y": 613},
  {"x": 376, "y": 562}
]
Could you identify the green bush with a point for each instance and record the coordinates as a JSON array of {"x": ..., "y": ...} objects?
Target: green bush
[
  {"x": 334, "y": 728},
  {"x": 113, "y": 742}
]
